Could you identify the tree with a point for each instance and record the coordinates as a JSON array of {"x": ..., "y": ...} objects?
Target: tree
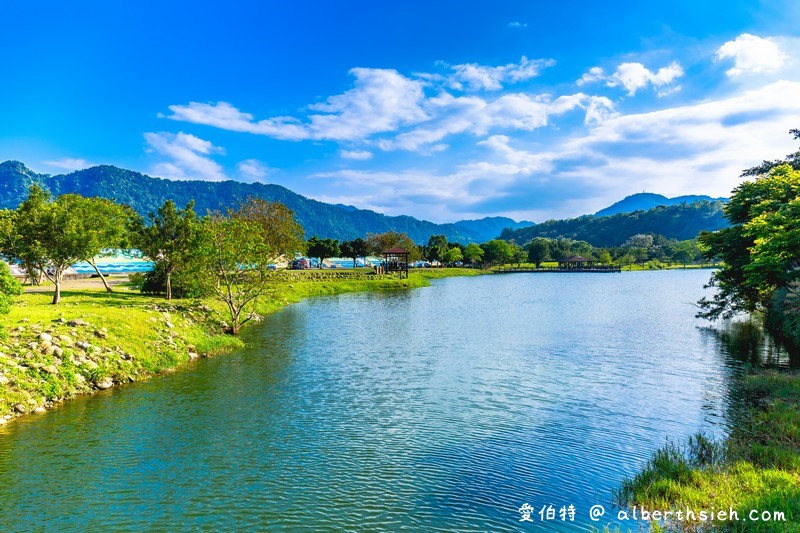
[
  {"x": 454, "y": 255},
  {"x": 436, "y": 249},
  {"x": 354, "y": 249},
  {"x": 538, "y": 251},
  {"x": 496, "y": 252},
  {"x": 518, "y": 255},
  {"x": 171, "y": 240},
  {"x": 473, "y": 253},
  {"x": 104, "y": 225},
  {"x": 9, "y": 287},
  {"x": 604, "y": 257},
  {"x": 322, "y": 248},
  {"x": 235, "y": 256},
  {"x": 277, "y": 224},
  {"x": 761, "y": 248},
  {"x": 45, "y": 237},
  {"x": 380, "y": 242}
]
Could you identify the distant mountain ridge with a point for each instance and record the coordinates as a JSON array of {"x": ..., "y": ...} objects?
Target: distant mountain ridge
[
  {"x": 646, "y": 200},
  {"x": 145, "y": 194},
  {"x": 682, "y": 221}
]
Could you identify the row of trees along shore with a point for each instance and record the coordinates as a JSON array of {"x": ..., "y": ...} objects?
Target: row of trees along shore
[{"x": 230, "y": 254}]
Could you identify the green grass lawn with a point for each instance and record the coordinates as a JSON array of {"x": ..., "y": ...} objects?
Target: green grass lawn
[{"x": 756, "y": 468}]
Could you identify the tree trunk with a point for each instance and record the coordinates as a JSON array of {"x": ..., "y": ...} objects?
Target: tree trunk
[
  {"x": 102, "y": 277},
  {"x": 354, "y": 262},
  {"x": 57, "y": 293},
  {"x": 169, "y": 285}
]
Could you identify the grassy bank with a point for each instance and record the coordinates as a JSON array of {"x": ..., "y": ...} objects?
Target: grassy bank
[
  {"x": 94, "y": 340},
  {"x": 756, "y": 468}
]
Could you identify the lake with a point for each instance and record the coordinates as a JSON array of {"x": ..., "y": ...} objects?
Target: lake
[{"x": 442, "y": 408}]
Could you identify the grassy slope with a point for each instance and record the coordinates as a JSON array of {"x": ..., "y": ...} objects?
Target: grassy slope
[
  {"x": 758, "y": 467},
  {"x": 133, "y": 337}
]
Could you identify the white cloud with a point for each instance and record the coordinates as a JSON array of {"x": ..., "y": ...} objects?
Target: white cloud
[
  {"x": 475, "y": 77},
  {"x": 692, "y": 149},
  {"x": 517, "y": 24},
  {"x": 635, "y": 76},
  {"x": 752, "y": 55},
  {"x": 381, "y": 100},
  {"x": 69, "y": 164},
  {"x": 594, "y": 74},
  {"x": 189, "y": 157},
  {"x": 358, "y": 155},
  {"x": 252, "y": 170}
]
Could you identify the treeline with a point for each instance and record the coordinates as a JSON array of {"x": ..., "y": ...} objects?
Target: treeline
[
  {"x": 679, "y": 222},
  {"x": 761, "y": 248}
]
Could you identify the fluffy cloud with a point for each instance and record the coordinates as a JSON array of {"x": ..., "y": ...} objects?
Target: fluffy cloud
[
  {"x": 381, "y": 100},
  {"x": 69, "y": 164},
  {"x": 475, "y": 77},
  {"x": 752, "y": 54},
  {"x": 517, "y": 24},
  {"x": 252, "y": 170},
  {"x": 691, "y": 149},
  {"x": 635, "y": 76},
  {"x": 188, "y": 156},
  {"x": 358, "y": 155}
]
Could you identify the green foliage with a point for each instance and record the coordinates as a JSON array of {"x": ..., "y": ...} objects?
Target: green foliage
[
  {"x": 354, "y": 249},
  {"x": 454, "y": 254},
  {"x": 171, "y": 241},
  {"x": 761, "y": 248},
  {"x": 473, "y": 253},
  {"x": 538, "y": 251},
  {"x": 9, "y": 288},
  {"x": 322, "y": 248},
  {"x": 235, "y": 255},
  {"x": 497, "y": 252},
  {"x": 681, "y": 222},
  {"x": 379, "y": 242}
]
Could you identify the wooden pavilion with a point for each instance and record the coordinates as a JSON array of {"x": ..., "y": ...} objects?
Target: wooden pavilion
[{"x": 396, "y": 260}]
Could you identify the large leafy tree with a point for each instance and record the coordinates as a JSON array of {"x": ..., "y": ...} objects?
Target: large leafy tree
[
  {"x": 380, "y": 242},
  {"x": 105, "y": 226},
  {"x": 277, "y": 223},
  {"x": 473, "y": 253},
  {"x": 9, "y": 287},
  {"x": 171, "y": 239},
  {"x": 761, "y": 249},
  {"x": 234, "y": 255},
  {"x": 538, "y": 251},
  {"x": 323, "y": 248},
  {"x": 45, "y": 237},
  {"x": 497, "y": 252},
  {"x": 355, "y": 249},
  {"x": 436, "y": 249}
]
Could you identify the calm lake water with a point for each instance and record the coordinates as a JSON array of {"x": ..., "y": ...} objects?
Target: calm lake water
[{"x": 443, "y": 408}]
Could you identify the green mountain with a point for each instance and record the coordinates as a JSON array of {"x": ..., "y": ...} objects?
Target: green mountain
[
  {"x": 682, "y": 221},
  {"x": 145, "y": 194},
  {"x": 645, "y": 200}
]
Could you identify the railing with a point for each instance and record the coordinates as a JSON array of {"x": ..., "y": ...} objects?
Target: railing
[{"x": 599, "y": 268}]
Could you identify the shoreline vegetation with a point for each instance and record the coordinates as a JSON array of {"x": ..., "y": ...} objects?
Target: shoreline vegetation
[
  {"x": 96, "y": 340},
  {"x": 756, "y": 469}
]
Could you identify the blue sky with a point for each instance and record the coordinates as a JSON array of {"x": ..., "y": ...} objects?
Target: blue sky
[{"x": 440, "y": 110}]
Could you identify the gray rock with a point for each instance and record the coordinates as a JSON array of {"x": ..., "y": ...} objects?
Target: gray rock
[
  {"x": 193, "y": 355},
  {"x": 4, "y": 380},
  {"x": 100, "y": 334},
  {"x": 45, "y": 337},
  {"x": 104, "y": 383},
  {"x": 40, "y": 410},
  {"x": 77, "y": 322},
  {"x": 50, "y": 369},
  {"x": 20, "y": 408},
  {"x": 58, "y": 351},
  {"x": 66, "y": 340},
  {"x": 3, "y": 421}
]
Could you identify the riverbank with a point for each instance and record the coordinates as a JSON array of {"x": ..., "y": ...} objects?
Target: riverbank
[
  {"x": 757, "y": 468},
  {"x": 96, "y": 340}
]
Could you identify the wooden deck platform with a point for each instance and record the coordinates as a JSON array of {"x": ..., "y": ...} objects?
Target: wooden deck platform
[{"x": 559, "y": 269}]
